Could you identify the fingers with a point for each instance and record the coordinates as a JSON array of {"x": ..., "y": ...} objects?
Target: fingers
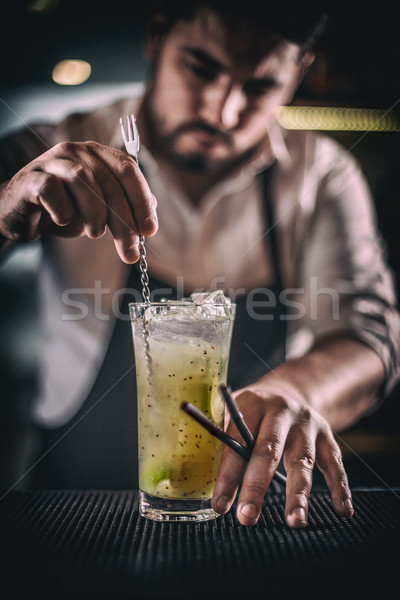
[
  {"x": 259, "y": 471},
  {"x": 86, "y": 194},
  {"x": 86, "y": 186},
  {"x": 226, "y": 486},
  {"x": 304, "y": 440},
  {"x": 120, "y": 218},
  {"x": 299, "y": 461},
  {"x": 131, "y": 205},
  {"x": 50, "y": 192},
  {"x": 93, "y": 186},
  {"x": 232, "y": 465},
  {"x": 134, "y": 186},
  {"x": 30, "y": 202},
  {"x": 132, "y": 211},
  {"x": 263, "y": 463},
  {"x": 142, "y": 202},
  {"x": 329, "y": 462}
]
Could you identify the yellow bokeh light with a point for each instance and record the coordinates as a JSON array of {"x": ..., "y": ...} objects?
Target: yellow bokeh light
[
  {"x": 326, "y": 118},
  {"x": 71, "y": 72}
]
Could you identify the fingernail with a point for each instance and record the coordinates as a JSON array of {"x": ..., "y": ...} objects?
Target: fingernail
[
  {"x": 98, "y": 233},
  {"x": 151, "y": 222},
  {"x": 133, "y": 253},
  {"x": 299, "y": 513},
  {"x": 61, "y": 221},
  {"x": 348, "y": 504},
  {"x": 222, "y": 504},
  {"x": 250, "y": 511}
]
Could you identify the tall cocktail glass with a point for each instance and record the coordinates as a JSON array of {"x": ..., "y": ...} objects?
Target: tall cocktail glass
[{"x": 181, "y": 354}]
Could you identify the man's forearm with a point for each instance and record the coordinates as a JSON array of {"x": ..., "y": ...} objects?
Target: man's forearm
[{"x": 339, "y": 377}]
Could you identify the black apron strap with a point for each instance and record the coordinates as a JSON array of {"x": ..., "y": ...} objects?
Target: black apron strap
[{"x": 271, "y": 236}]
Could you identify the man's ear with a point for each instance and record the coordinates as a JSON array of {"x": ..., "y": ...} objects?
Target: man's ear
[{"x": 305, "y": 63}]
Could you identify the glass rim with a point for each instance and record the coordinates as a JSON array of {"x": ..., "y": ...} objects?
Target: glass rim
[{"x": 178, "y": 303}]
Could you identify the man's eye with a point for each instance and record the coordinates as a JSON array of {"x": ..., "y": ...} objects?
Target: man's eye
[
  {"x": 256, "y": 90},
  {"x": 201, "y": 70}
]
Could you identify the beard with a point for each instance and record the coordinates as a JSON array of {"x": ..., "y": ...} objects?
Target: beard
[
  {"x": 192, "y": 163},
  {"x": 167, "y": 143},
  {"x": 198, "y": 163},
  {"x": 195, "y": 162}
]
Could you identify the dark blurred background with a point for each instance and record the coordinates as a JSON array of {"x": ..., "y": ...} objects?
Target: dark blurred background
[
  {"x": 358, "y": 66},
  {"x": 359, "y": 56}
]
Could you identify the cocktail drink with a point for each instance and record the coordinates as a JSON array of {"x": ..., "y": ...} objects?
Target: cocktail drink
[{"x": 181, "y": 353}]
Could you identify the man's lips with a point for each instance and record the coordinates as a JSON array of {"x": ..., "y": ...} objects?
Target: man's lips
[
  {"x": 205, "y": 139},
  {"x": 204, "y": 134}
]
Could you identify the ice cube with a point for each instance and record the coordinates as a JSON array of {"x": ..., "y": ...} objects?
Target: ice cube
[
  {"x": 215, "y": 297},
  {"x": 211, "y": 304}
]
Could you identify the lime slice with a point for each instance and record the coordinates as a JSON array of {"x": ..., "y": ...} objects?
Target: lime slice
[
  {"x": 204, "y": 394},
  {"x": 152, "y": 476}
]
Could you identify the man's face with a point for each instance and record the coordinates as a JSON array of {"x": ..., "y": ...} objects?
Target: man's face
[{"x": 214, "y": 94}]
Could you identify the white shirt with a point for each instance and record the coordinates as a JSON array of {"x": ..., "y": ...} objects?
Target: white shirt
[{"x": 332, "y": 257}]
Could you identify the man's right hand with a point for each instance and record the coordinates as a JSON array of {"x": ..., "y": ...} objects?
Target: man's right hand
[{"x": 79, "y": 188}]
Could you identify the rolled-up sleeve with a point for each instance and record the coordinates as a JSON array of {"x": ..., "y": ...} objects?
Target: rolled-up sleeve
[{"x": 343, "y": 273}]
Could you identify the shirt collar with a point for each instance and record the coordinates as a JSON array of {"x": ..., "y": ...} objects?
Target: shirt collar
[{"x": 277, "y": 144}]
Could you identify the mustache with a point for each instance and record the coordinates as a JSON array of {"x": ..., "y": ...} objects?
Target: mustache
[{"x": 205, "y": 128}]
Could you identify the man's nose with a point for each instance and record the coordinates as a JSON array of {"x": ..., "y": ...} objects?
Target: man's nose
[
  {"x": 223, "y": 105},
  {"x": 233, "y": 107}
]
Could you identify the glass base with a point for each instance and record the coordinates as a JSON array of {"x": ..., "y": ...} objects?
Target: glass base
[{"x": 178, "y": 510}]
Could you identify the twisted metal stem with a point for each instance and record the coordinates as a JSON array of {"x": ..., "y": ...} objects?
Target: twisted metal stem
[{"x": 144, "y": 278}]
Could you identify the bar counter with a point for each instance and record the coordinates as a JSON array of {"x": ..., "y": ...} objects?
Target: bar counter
[{"x": 94, "y": 544}]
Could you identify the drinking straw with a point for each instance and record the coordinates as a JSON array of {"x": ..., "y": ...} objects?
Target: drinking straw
[
  {"x": 211, "y": 427},
  {"x": 236, "y": 416},
  {"x": 216, "y": 431}
]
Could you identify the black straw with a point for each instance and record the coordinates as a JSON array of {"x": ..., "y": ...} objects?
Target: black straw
[
  {"x": 211, "y": 427},
  {"x": 236, "y": 416},
  {"x": 215, "y": 430}
]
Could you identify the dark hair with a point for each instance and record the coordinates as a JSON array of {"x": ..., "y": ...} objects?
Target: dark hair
[{"x": 298, "y": 21}]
